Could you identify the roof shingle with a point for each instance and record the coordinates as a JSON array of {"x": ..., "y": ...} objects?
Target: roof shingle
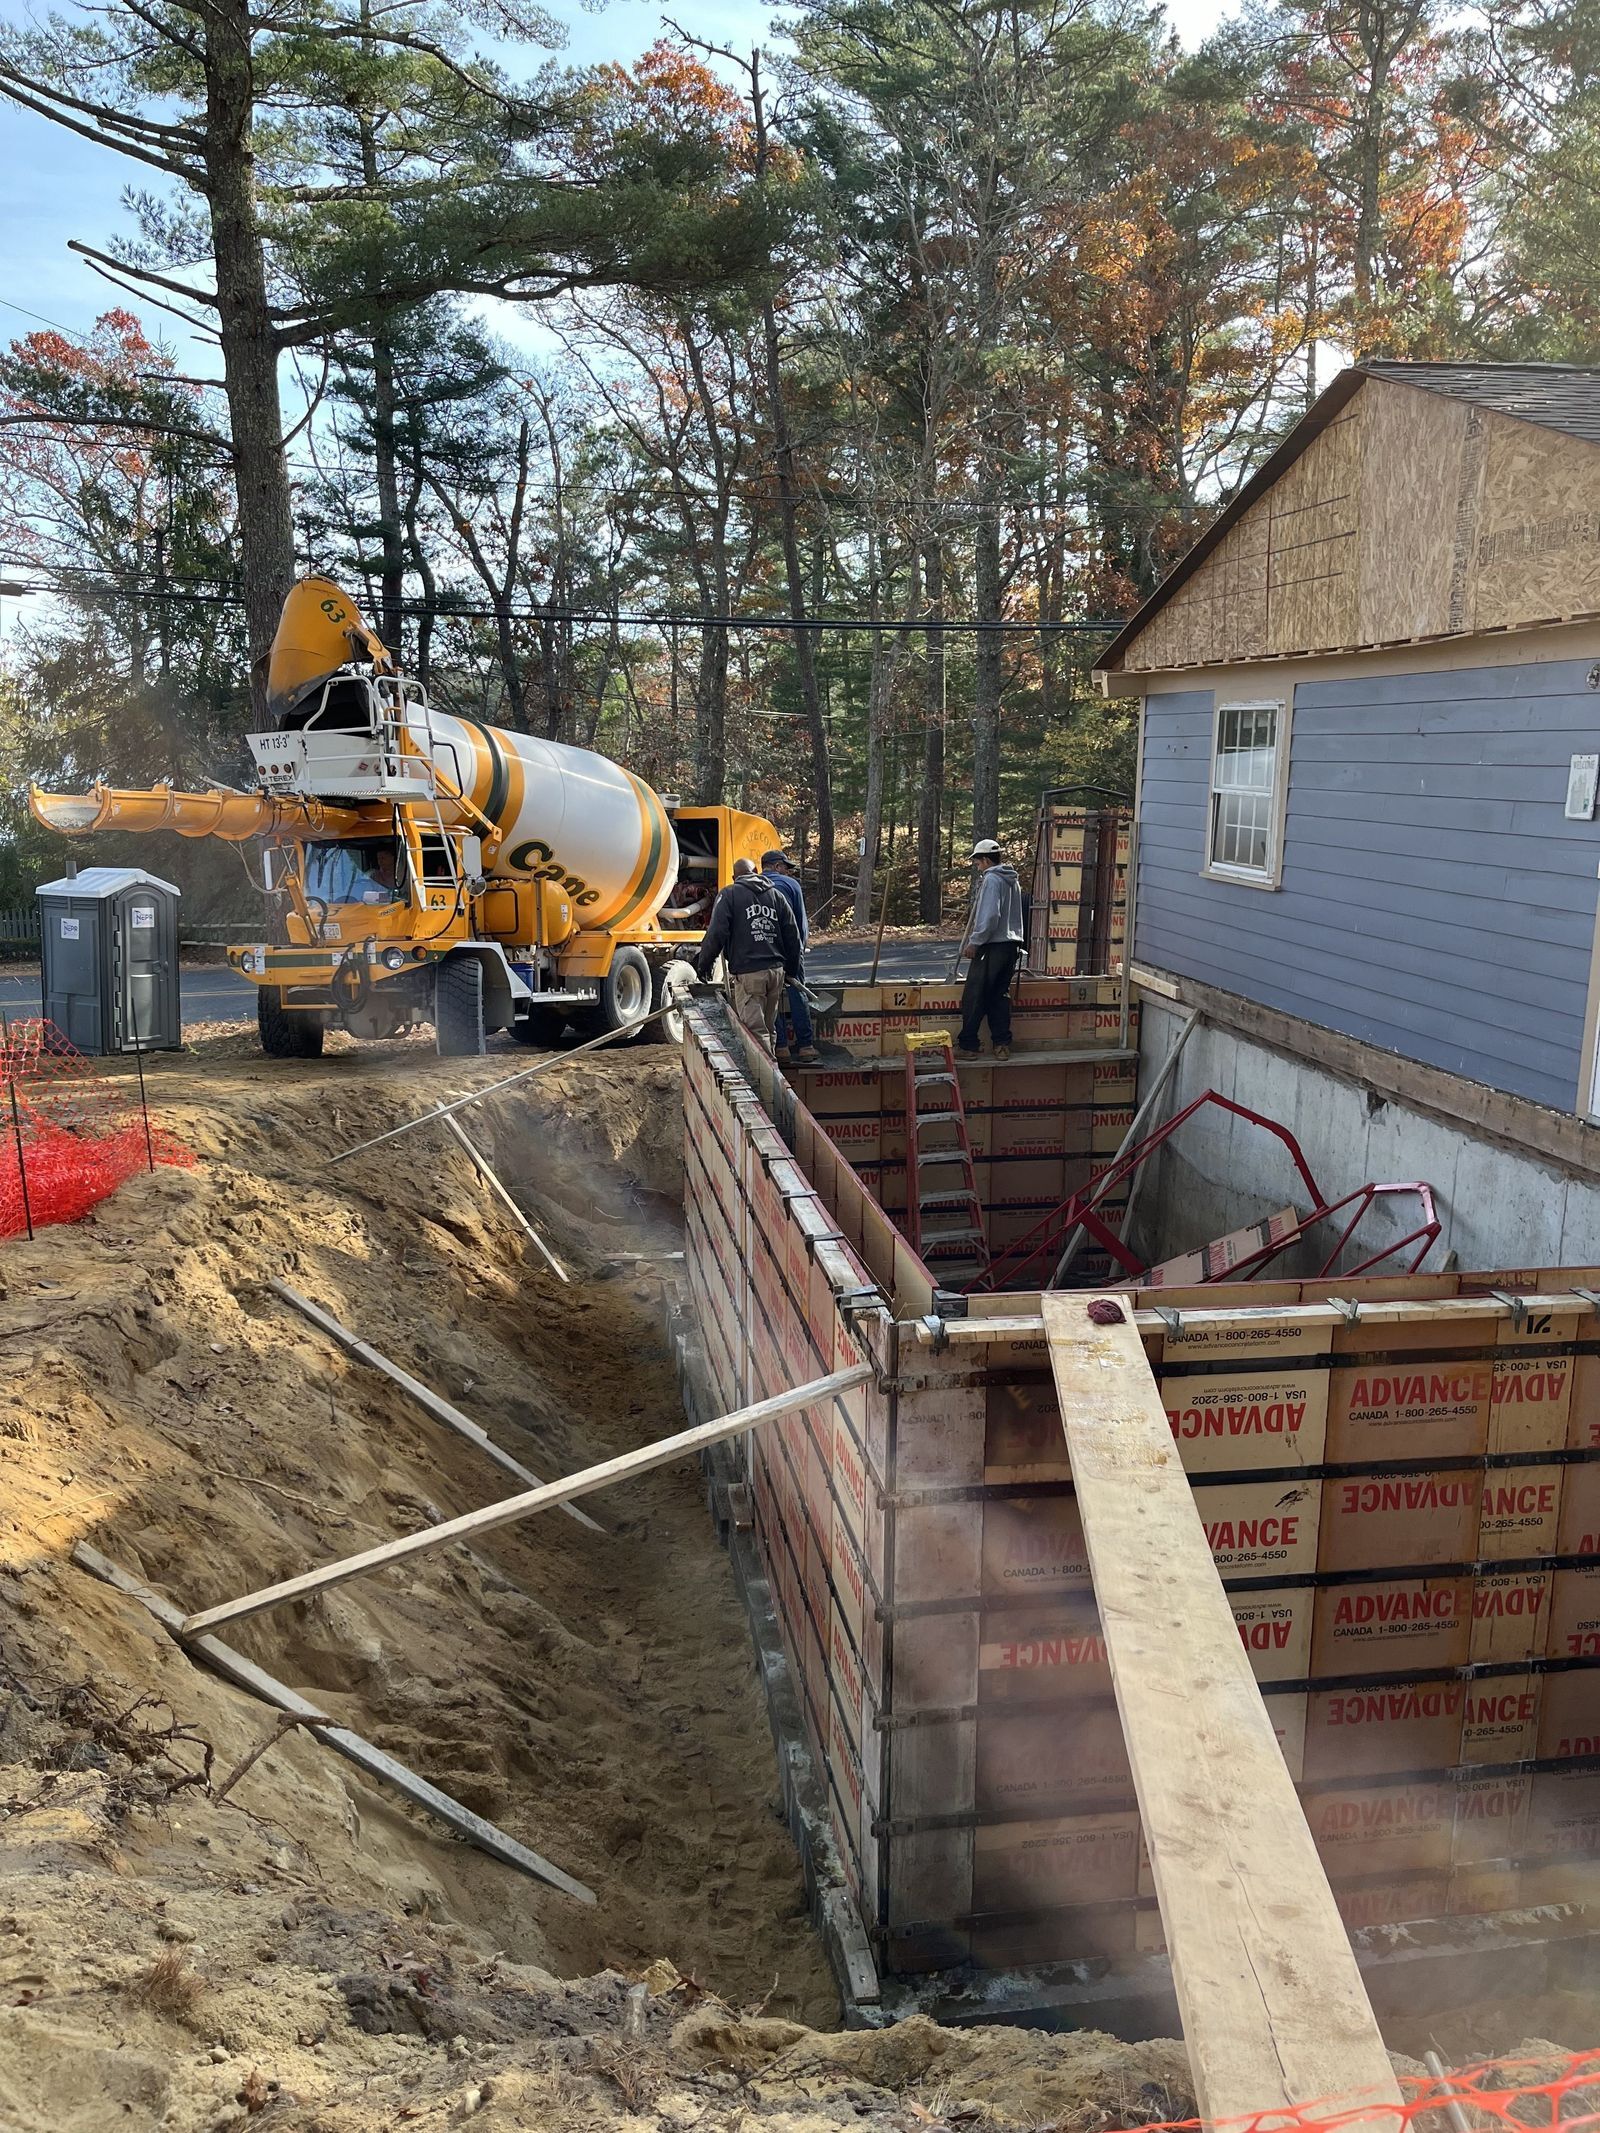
[{"x": 1558, "y": 396}]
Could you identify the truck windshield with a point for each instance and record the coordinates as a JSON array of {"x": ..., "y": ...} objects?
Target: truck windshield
[{"x": 354, "y": 873}]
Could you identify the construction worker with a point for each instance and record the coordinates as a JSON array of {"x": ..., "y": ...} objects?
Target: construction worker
[
  {"x": 753, "y": 927},
  {"x": 994, "y": 940},
  {"x": 796, "y": 1038}
]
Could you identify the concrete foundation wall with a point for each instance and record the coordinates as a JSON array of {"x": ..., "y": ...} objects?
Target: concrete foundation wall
[{"x": 1499, "y": 1208}]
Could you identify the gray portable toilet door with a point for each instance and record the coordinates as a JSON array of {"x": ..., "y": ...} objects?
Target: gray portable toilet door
[
  {"x": 142, "y": 971},
  {"x": 72, "y": 999}
]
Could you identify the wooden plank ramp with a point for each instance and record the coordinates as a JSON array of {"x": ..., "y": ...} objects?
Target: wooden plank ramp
[
  {"x": 1274, "y": 2012},
  {"x": 245, "y": 1674}
]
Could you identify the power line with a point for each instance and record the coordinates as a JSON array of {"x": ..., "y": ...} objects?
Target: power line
[
  {"x": 422, "y": 610},
  {"x": 614, "y": 495},
  {"x": 72, "y": 332}
]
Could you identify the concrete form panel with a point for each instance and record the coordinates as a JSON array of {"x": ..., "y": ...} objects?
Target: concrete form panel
[{"x": 1414, "y": 1568}]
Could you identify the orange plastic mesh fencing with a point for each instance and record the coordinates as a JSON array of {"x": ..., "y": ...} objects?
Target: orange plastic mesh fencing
[
  {"x": 68, "y": 1135},
  {"x": 1559, "y": 2089}
]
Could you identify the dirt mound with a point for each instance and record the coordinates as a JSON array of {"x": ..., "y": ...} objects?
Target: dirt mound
[
  {"x": 1019, "y": 2076},
  {"x": 594, "y": 1694}
]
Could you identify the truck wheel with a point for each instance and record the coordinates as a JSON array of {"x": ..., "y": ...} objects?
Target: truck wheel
[
  {"x": 542, "y": 1026},
  {"x": 284, "y": 1034},
  {"x": 458, "y": 1008},
  {"x": 626, "y": 992},
  {"x": 678, "y": 974}
]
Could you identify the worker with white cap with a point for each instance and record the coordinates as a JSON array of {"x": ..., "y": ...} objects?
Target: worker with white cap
[{"x": 994, "y": 940}]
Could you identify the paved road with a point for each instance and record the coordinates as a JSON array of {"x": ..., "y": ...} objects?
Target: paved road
[
  {"x": 214, "y": 993},
  {"x": 901, "y": 962},
  {"x": 209, "y": 995}
]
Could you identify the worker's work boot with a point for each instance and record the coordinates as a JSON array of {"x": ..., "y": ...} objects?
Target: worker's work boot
[
  {"x": 784, "y": 1056},
  {"x": 808, "y": 1055},
  {"x": 968, "y": 1051},
  {"x": 1002, "y": 1051}
]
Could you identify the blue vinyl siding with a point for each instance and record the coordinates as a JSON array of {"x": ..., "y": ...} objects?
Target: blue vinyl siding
[{"x": 1435, "y": 900}]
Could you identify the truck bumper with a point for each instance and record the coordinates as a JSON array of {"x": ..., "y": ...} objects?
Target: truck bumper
[{"x": 304, "y": 976}]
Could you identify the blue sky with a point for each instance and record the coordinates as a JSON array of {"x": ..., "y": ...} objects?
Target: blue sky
[{"x": 55, "y": 186}]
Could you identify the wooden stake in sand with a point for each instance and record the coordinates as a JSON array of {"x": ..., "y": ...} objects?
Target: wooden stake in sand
[
  {"x": 245, "y": 1674},
  {"x": 441, "y": 1410},
  {"x": 481, "y": 1164},
  {"x": 663, "y": 1452},
  {"x": 1274, "y": 2011}
]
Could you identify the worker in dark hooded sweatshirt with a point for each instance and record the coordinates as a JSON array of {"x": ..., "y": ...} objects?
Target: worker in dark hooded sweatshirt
[
  {"x": 796, "y": 1038},
  {"x": 994, "y": 940},
  {"x": 753, "y": 927}
]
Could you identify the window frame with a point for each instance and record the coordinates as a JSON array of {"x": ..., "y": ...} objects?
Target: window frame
[{"x": 1269, "y": 876}]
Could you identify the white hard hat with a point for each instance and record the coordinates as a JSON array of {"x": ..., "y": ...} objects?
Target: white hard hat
[{"x": 986, "y": 848}]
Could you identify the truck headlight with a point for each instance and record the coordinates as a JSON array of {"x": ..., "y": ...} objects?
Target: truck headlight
[{"x": 394, "y": 959}]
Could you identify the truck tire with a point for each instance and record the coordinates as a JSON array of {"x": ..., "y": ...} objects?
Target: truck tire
[
  {"x": 541, "y": 1026},
  {"x": 284, "y": 1034},
  {"x": 669, "y": 1029},
  {"x": 627, "y": 992},
  {"x": 458, "y": 1008}
]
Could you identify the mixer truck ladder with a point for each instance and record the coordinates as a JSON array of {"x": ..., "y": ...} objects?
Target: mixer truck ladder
[
  {"x": 940, "y": 1180},
  {"x": 388, "y": 758}
]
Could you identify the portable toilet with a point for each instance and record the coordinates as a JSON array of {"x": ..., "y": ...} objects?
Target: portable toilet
[{"x": 108, "y": 941}]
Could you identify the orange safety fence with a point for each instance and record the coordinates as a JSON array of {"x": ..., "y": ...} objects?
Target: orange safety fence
[
  {"x": 1560, "y": 2089},
  {"x": 68, "y": 1135}
]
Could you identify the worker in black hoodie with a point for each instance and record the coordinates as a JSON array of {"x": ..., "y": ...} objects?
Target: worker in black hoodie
[{"x": 753, "y": 927}]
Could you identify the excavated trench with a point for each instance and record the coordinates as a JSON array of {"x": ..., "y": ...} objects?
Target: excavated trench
[
  {"x": 188, "y": 1947},
  {"x": 594, "y": 1694}
]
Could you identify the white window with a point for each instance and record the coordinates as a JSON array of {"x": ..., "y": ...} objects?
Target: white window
[{"x": 1249, "y": 777}]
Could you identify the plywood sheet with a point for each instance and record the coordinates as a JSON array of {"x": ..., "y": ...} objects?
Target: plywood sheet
[
  {"x": 1313, "y": 514},
  {"x": 1410, "y": 516},
  {"x": 1413, "y": 468},
  {"x": 1537, "y": 546}
]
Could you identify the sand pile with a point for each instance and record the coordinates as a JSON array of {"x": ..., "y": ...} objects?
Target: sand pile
[{"x": 593, "y": 1694}]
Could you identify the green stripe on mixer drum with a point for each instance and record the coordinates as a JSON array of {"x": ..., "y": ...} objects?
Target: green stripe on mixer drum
[
  {"x": 649, "y": 881},
  {"x": 499, "y": 771}
]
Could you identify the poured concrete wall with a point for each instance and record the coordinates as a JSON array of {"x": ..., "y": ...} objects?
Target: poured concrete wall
[{"x": 1499, "y": 1208}]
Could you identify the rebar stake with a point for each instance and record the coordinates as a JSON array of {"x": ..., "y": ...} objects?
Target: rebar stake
[{"x": 22, "y": 1167}]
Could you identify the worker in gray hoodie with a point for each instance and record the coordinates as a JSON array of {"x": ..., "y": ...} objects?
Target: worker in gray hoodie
[{"x": 994, "y": 940}]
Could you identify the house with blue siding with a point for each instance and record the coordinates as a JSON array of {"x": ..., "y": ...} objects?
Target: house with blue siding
[{"x": 1370, "y": 738}]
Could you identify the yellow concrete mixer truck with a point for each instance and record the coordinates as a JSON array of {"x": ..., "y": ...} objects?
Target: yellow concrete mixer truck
[{"x": 422, "y": 867}]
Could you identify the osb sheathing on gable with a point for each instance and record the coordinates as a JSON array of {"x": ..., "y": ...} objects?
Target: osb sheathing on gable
[{"x": 1411, "y": 515}]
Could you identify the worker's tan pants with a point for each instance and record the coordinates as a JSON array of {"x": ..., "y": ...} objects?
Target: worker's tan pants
[{"x": 757, "y": 996}]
